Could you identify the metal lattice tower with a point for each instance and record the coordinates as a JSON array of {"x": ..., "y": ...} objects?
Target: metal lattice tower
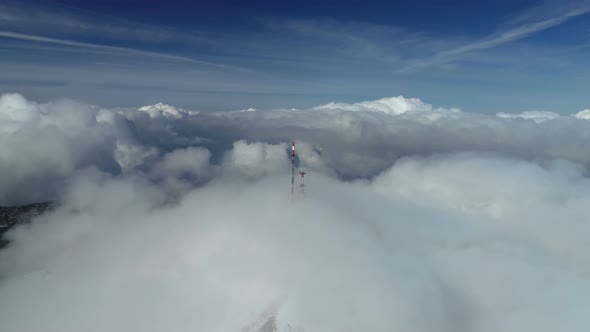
[
  {"x": 292, "y": 169},
  {"x": 302, "y": 185}
]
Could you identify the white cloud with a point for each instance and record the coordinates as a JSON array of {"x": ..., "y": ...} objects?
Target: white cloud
[
  {"x": 44, "y": 144},
  {"x": 194, "y": 161},
  {"x": 392, "y": 106},
  {"x": 457, "y": 242},
  {"x": 15, "y": 112},
  {"x": 584, "y": 114},
  {"x": 164, "y": 110},
  {"x": 458, "y": 222},
  {"x": 537, "y": 116},
  {"x": 253, "y": 160},
  {"x": 182, "y": 169},
  {"x": 130, "y": 156},
  {"x": 250, "y": 109}
]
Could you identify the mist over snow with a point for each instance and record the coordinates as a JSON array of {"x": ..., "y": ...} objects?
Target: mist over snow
[
  {"x": 416, "y": 218},
  {"x": 163, "y": 110},
  {"x": 393, "y": 106}
]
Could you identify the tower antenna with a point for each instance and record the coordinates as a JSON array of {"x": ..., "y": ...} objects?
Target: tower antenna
[
  {"x": 292, "y": 169},
  {"x": 302, "y": 185}
]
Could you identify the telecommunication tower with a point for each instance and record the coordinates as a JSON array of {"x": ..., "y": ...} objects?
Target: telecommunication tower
[
  {"x": 302, "y": 185},
  {"x": 292, "y": 169}
]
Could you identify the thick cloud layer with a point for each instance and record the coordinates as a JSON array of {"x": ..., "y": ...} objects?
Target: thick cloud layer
[
  {"x": 463, "y": 242},
  {"x": 44, "y": 144},
  {"x": 447, "y": 220}
]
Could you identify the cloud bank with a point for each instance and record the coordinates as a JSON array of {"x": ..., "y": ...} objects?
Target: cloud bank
[
  {"x": 537, "y": 116},
  {"x": 584, "y": 114},
  {"x": 391, "y": 106},
  {"x": 421, "y": 220},
  {"x": 45, "y": 144},
  {"x": 164, "y": 110}
]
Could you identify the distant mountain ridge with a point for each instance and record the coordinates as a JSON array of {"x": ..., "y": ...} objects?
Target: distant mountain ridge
[{"x": 13, "y": 215}]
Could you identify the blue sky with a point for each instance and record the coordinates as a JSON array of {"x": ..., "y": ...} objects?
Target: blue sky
[{"x": 492, "y": 56}]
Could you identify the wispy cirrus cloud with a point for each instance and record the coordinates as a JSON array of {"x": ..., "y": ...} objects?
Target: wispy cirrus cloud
[
  {"x": 114, "y": 49},
  {"x": 264, "y": 58},
  {"x": 527, "y": 26},
  {"x": 55, "y": 20}
]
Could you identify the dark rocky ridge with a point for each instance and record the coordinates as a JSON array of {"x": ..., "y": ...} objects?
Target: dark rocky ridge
[{"x": 14, "y": 215}]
